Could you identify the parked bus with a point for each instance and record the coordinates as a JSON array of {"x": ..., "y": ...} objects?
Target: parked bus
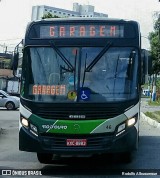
[{"x": 80, "y": 87}]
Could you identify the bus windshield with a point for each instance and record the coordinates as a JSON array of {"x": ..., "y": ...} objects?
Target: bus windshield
[{"x": 47, "y": 77}]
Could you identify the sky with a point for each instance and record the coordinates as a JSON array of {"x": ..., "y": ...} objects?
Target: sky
[{"x": 15, "y": 14}]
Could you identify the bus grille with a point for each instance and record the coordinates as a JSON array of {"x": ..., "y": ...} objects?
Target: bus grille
[{"x": 89, "y": 113}]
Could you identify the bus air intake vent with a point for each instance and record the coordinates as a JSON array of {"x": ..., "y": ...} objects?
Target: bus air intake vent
[{"x": 77, "y": 113}]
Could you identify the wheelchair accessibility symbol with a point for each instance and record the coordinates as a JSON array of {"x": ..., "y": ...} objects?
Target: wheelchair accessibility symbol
[{"x": 85, "y": 94}]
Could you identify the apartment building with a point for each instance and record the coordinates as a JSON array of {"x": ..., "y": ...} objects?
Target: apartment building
[{"x": 78, "y": 11}]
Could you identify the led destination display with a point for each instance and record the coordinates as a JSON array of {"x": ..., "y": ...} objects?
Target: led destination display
[{"x": 82, "y": 31}]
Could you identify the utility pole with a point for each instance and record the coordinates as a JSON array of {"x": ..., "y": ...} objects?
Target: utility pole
[{"x": 6, "y": 50}]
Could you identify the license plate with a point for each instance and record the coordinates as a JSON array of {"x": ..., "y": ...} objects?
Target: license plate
[{"x": 76, "y": 142}]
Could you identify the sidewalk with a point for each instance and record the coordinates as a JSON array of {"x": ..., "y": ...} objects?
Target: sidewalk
[
  {"x": 144, "y": 108},
  {"x": 150, "y": 121}
]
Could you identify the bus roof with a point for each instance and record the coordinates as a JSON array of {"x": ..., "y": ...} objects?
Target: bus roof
[{"x": 84, "y": 19}]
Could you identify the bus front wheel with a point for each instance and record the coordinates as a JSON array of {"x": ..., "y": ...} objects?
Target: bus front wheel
[{"x": 45, "y": 158}]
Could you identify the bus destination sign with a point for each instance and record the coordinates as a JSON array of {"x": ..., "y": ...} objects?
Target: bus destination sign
[{"x": 82, "y": 31}]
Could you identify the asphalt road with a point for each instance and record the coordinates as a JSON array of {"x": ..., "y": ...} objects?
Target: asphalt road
[{"x": 146, "y": 159}]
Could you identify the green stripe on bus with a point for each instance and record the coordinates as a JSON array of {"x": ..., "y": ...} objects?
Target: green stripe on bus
[
  {"x": 65, "y": 126},
  {"x": 76, "y": 127}
]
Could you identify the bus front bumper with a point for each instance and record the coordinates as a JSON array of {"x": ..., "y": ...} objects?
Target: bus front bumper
[{"x": 96, "y": 144}]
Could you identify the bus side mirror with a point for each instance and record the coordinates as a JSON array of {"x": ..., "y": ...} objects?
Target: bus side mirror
[
  {"x": 14, "y": 64},
  {"x": 15, "y": 61}
]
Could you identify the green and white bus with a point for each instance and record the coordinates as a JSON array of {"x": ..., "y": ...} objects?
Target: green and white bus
[{"x": 80, "y": 87}]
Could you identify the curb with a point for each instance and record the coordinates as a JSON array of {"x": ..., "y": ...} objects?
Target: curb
[{"x": 150, "y": 121}]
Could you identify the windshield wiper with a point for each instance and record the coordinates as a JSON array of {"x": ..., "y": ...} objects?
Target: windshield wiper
[
  {"x": 84, "y": 74},
  {"x": 75, "y": 65},
  {"x": 115, "y": 76},
  {"x": 71, "y": 68},
  {"x": 98, "y": 57},
  {"x": 116, "y": 72}
]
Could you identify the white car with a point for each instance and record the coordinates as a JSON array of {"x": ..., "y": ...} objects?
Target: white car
[{"x": 10, "y": 102}]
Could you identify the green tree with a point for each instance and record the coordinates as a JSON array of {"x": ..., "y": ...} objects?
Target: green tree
[
  {"x": 154, "y": 38},
  {"x": 49, "y": 15}
]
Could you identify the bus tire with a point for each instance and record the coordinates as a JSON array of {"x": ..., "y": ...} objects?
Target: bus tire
[{"x": 45, "y": 158}]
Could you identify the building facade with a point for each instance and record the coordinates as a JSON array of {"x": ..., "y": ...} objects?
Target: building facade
[{"x": 78, "y": 11}]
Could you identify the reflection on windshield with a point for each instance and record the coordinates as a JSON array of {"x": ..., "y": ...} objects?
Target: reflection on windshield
[{"x": 47, "y": 77}]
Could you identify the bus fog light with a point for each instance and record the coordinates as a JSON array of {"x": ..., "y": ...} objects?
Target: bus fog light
[
  {"x": 24, "y": 122},
  {"x": 33, "y": 128},
  {"x": 121, "y": 127},
  {"x": 131, "y": 122}
]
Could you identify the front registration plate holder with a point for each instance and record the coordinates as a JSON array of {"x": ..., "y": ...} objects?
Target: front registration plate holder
[{"x": 76, "y": 142}]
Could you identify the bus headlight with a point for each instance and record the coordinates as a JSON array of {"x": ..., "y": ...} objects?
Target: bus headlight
[
  {"x": 131, "y": 122},
  {"x": 24, "y": 122}
]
